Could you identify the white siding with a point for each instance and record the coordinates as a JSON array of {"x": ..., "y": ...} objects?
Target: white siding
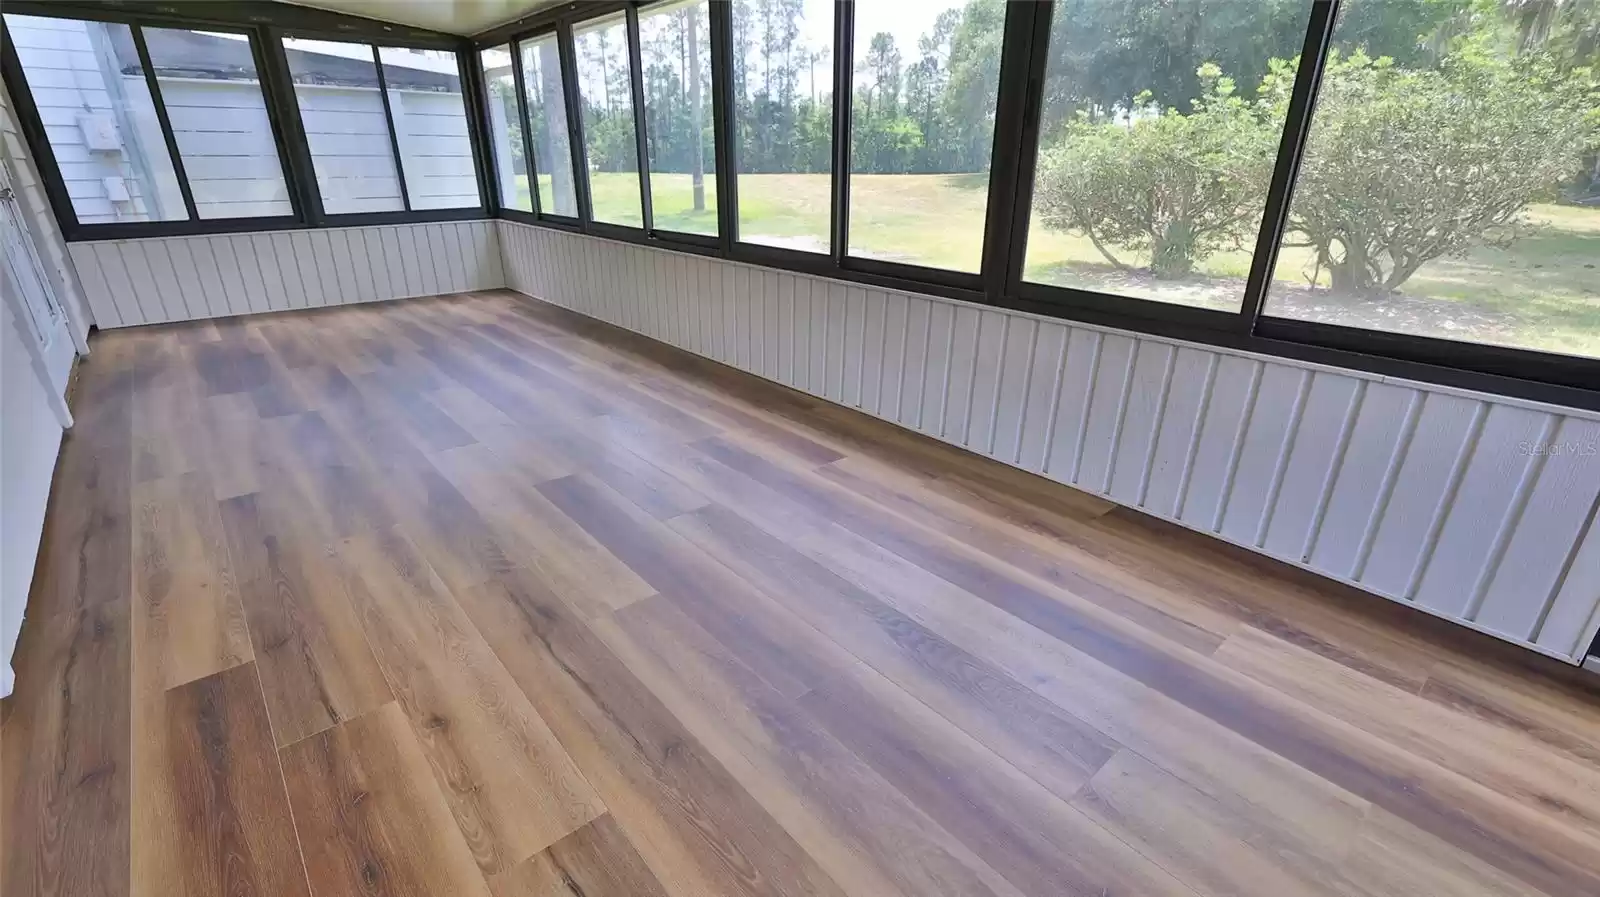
[
  {"x": 226, "y": 142},
  {"x": 1434, "y": 497},
  {"x": 160, "y": 279},
  {"x": 435, "y": 150}
]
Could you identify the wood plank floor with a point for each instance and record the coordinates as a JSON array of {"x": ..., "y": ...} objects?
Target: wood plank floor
[{"x": 471, "y": 596}]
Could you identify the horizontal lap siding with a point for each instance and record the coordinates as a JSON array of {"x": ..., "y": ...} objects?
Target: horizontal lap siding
[
  {"x": 1473, "y": 508},
  {"x": 156, "y": 280}
]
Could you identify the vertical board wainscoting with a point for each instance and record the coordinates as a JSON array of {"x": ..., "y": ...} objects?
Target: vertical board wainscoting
[
  {"x": 154, "y": 280},
  {"x": 1475, "y": 508}
]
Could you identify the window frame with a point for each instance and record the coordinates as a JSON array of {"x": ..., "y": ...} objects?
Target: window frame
[
  {"x": 641, "y": 119},
  {"x": 313, "y": 197},
  {"x": 1565, "y": 380},
  {"x": 265, "y": 24}
]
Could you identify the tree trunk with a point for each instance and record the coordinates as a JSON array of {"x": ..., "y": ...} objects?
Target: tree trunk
[
  {"x": 555, "y": 110},
  {"x": 696, "y": 112},
  {"x": 1172, "y": 251}
]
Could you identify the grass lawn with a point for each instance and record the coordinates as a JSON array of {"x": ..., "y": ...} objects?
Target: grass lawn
[{"x": 1543, "y": 292}]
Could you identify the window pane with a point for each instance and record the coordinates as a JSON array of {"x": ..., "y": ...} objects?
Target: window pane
[
  {"x": 336, "y": 85},
  {"x": 605, "y": 88},
  {"x": 783, "y": 121},
  {"x": 90, "y": 90},
  {"x": 675, "y": 40},
  {"x": 505, "y": 129},
  {"x": 212, "y": 92},
  {"x": 922, "y": 130},
  {"x": 1158, "y": 135},
  {"x": 1451, "y": 184},
  {"x": 547, "y": 116},
  {"x": 430, "y": 124}
]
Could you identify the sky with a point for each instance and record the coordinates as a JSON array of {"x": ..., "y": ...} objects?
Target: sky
[{"x": 907, "y": 20}]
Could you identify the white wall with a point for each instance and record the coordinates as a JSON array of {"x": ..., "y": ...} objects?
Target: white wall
[
  {"x": 155, "y": 280},
  {"x": 29, "y": 440},
  {"x": 42, "y": 222},
  {"x": 68, "y": 80},
  {"x": 229, "y": 155},
  {"x": 1433, "y": 497},
  {"x": 30, "y": 433}
]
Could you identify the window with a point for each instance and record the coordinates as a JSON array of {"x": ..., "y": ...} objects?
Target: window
[
  {"x": 926, "y": 78},
  {"x": 104, "y": 124},
  {"x": 1159, "y": 131},
  {"x": 547, "y": 122},
  {"x": 341, "y": 108},
  {"x": 1449, "y": 186},
  {"x": 383, "y": 141},
  {"x": 212, "y": 91},
  {"x": 505, "y": 129},
  {"x": 429, "y": 115},
  {"x": 783, "y": 121},
  {"x": 605, "y": 89},
  {"x": 675, "y": 41}
]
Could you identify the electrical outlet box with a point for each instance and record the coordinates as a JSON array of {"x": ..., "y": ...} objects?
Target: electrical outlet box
[
  {"x": 116, "y": 188},
  {"x": 100, "y": 131}
]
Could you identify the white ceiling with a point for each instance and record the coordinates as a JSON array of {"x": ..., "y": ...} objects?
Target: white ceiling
[{"x": 451, "y": 16}]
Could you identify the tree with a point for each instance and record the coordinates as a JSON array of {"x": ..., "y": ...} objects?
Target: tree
[
  {"x": 1404, "y": 166},
  {"x": 697, "y": 115},
  {"x": 1181, "y": 186}
]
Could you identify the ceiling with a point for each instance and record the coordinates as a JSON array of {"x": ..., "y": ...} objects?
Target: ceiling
[{"x": 451, "y": 16}]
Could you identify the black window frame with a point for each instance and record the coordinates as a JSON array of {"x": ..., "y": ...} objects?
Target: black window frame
[
  {"x": 1564, "y": 380},
  {"x": 642, "y": 124},
  {"x": 265, "y": 23},
  {"x": 405, "y": 214}
]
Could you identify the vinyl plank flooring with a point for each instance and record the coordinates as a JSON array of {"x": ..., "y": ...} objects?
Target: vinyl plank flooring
[
  {"x": 371, "y": 819},
  {"x": 597, "y": 860},
  {"x": 473, "y": 596},
  {"x": 513, "y": 789},
  {"x": 316, "y": 667},
  {"x": 216, "y": 819}
]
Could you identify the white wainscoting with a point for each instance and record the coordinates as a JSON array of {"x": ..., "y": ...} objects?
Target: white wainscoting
[
  {"x": 1426, "y": 495},
  {"x": 156, "y": 280}
]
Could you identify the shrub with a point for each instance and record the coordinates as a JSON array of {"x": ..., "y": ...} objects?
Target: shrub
[
  {"x": 1405, "y": 166},
  {"x": 1179, "y": 185}
]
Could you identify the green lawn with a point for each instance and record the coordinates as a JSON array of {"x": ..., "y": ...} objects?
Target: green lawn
[{"x": 1542, "y": 292}]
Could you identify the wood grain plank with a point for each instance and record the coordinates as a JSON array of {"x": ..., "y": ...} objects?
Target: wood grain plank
[
  {"x": 597, "y": 860},
  {"x": 215, "y": 819},
  {"x": 315, "y": 666},
  {"x": 370, "y": 816},
  {"x": 188, "y": 621},
  {"x": 1058, "y": 750},
  {"x": 511, "y": 786},
  {"x": 847, "y": 819},
  {"x": 698, "y": 828},
  {"x": 64, "y": 771}
]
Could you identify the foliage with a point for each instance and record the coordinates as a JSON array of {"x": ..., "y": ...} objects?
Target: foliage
[
  {"x": 1405, "y": 166},
  {"x": 1180, "y": 185}
]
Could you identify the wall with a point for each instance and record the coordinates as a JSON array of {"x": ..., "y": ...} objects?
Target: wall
[
  {"x": 28, "y": 445},
  {"x": 1475, "y": 508},
  {"x": 155, "y": 280},
  {"x": 225, "y": 139},
  {"x": 68, "y": 76},
  {"x": 41, "y": 221},
  {"x": 349, "y": 140},
  {"x": 30, "y": 435}
]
